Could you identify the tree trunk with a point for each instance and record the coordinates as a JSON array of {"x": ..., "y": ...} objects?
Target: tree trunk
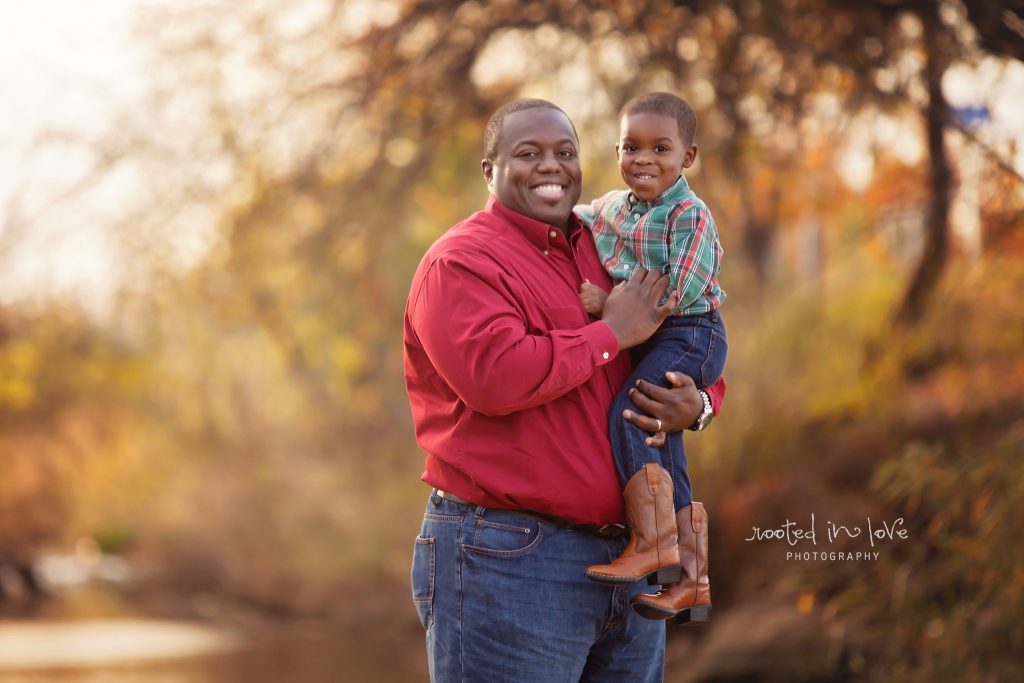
[{"x": 936, "y": 246}]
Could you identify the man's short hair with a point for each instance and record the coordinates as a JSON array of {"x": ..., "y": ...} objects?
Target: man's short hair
[
  {"x": 492, "y": 133},
  {"x": 666, "y": 104}
]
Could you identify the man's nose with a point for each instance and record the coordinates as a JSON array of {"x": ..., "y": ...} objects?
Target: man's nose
[{"x": 548, "y": 162}]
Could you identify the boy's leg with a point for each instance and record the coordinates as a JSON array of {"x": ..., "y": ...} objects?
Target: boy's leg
[
  {"x": 503, "y": 598},
  {"x": 699, "y": 347},
  {"x": 689, "y": 600},
  {"x": 677, "y": 348}
]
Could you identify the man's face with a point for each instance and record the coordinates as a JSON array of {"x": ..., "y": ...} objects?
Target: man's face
[
  {"x": 651, "y": 153},
  {"x": 536, "y": 170}
]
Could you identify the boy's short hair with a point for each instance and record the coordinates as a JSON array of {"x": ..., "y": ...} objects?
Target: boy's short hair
[
  {"x": 666, "y": 104},
  {"x": 492, "y": 132}
]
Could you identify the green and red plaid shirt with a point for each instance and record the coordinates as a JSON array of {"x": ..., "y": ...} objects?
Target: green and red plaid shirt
[{"x": 675, "y": 233}]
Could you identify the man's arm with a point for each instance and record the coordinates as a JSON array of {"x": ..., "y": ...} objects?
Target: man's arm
[
  {"x": 475, "y": 335},
  {"x": 716, "y": 392}
]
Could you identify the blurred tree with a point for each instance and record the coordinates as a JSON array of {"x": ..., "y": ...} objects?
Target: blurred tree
[
  {"x": 766, "y": 60},
  {"x": 324, "y": 145}
]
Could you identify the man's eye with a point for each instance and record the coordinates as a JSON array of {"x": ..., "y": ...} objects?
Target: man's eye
[
  {"x": 527, "y": 155},
  {"x": 568, "y": 153}
]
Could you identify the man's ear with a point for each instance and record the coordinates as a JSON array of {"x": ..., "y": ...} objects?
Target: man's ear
[
  {"x": 488, "y": 168},
  {"x": 690, "y": 156}
]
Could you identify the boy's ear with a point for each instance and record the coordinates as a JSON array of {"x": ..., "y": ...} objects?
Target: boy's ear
[
  {"x": 617, "y": 151},
  {"x": 488, "y": 168},
  {"x": 690, "y": 156}
]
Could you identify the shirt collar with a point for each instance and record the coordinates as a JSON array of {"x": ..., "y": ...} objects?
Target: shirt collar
[
  {"x": 673, "y": 195},
  {"x": 538, "y": 233}
]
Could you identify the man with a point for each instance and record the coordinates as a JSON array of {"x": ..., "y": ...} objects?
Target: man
[{"x": 509, "y": 381}]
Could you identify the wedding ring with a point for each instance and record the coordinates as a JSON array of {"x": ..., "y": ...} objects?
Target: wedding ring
[{"x": 659, "y": 425}]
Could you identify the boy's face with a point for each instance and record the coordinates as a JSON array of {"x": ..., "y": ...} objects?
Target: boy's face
[
  {"x": 652, "y": 153},
  {"x": 536, "y": 171}
]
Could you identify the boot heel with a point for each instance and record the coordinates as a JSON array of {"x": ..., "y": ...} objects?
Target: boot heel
[
  {"x": 665, "y": 575},
  {"x": 695, "y": 614}
]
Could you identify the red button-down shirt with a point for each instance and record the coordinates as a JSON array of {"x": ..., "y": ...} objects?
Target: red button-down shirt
[{"x": 509, "y": 379}]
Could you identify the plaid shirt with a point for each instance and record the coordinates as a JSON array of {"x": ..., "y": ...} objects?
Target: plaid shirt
[{"x": 675, "y": 233}]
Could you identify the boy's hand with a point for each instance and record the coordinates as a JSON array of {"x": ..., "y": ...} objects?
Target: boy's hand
[{"x": 593, "y": 298}]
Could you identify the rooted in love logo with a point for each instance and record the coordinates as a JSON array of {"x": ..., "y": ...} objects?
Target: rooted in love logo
[{"x": 876, "y": 533}]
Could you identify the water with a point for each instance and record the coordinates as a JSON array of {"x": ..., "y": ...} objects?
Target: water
[
  {"x": 310, "y": 656},
  {"x": 91, "y": 632}
]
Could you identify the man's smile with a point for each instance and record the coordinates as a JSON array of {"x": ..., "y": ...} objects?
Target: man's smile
[{"x": 550, "y": 191}]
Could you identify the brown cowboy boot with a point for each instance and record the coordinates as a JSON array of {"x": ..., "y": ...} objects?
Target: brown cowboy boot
[
  {"x": 653, "y": 549},
  {"x": 690, "y": 599}
]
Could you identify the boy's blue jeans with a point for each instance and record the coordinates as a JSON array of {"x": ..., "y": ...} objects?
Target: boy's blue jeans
[
  {"x": 503, "y": 598},
  {"x": 693, "y": 345}
]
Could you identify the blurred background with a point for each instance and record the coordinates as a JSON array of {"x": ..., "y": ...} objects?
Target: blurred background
[{"x": 210, "y": 213}]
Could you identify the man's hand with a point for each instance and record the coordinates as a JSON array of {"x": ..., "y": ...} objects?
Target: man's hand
[
  {"x": 593, "y": 298},
  {"x": 632, "y": 309},
  {"x": 676, "y": 408}
]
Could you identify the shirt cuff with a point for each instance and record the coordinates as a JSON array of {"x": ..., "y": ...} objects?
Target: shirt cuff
[{"x": 604, "y": 344}]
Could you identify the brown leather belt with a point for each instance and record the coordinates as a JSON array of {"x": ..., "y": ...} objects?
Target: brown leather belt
[{"x": 602, "y": 530}]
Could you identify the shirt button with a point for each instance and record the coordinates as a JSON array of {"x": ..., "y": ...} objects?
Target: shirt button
[
  {"x": 605, "y": 355},
  {"x": 553, "y": 234},
  {"x": 546, "y": 252},
  {"x": 636, "y": 215},
  {"x": 625, "y": 266}
]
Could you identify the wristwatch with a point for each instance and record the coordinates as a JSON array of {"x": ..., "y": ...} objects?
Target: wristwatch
[{"x": 704, "y": 419}]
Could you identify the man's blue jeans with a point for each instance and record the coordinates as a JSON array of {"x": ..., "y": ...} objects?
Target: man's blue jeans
[
  {"x": 503, "y": 597},
  {"x": 693, "y": 345}
]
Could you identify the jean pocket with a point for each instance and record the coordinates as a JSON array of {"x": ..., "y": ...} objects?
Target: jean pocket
[
  {"x": 714, "y": 363},
  {"x": 512, "y": 537},
  {"x": 422, "y": 579}
]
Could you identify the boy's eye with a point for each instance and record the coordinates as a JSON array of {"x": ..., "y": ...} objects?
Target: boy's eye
[
  {"x": 629, "y": 148},
  {"x": 661, "y": 148}
]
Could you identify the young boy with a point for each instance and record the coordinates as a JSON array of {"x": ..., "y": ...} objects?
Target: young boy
[{"x": 660, "y": 224}]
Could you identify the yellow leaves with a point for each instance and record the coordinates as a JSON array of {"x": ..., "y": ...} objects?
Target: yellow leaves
[
  {"x": 805, "y": 603},
  {"x": 305, "y": 215},
  {"x": 348, "y": 356},
  {"x": 20, "y": 363}
]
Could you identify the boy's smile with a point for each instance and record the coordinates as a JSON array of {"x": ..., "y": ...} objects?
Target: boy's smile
[
  {"x": 652, "y": 153},
  {"x": 536, "y": 170}
]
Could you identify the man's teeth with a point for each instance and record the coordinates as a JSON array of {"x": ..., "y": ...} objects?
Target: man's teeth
[{"x": 549, "y": 190}]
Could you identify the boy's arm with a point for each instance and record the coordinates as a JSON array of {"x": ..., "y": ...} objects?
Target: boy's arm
[
  {"x": 694, "y": 252},
  {"x": 587, "y": 213}
]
